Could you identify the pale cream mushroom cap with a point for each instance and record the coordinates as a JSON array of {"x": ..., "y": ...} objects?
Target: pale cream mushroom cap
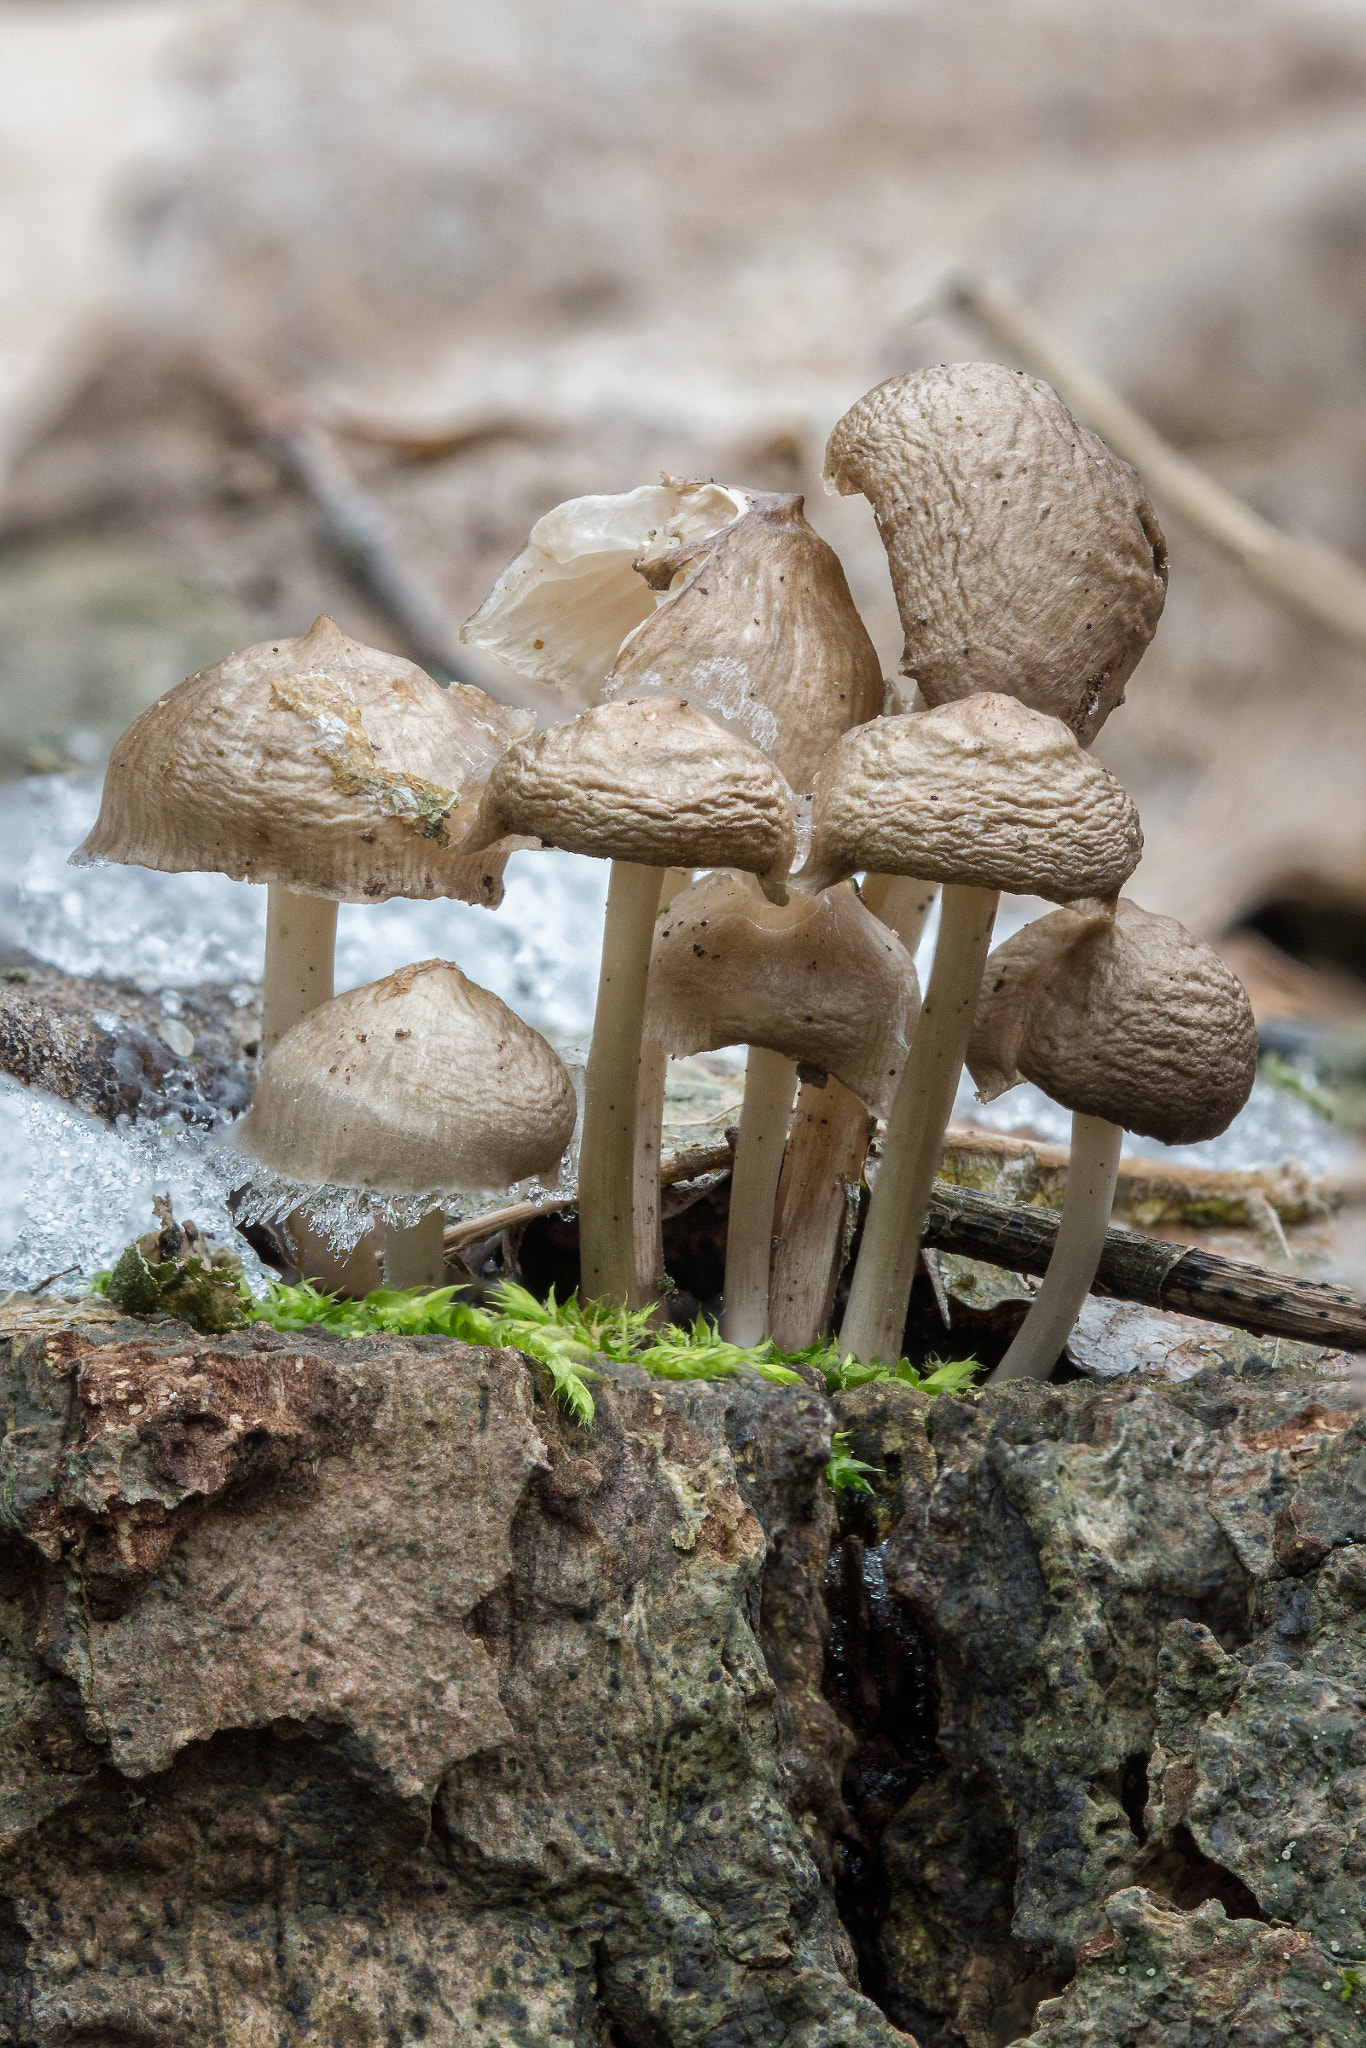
[
  {"x": 652, "y": 782},
  {"x": 1025, "y": 557},
  {"x": 562, "y": 608},
  {"x": 984, "y": 792},
  {"x": 819, "y": 979},
  {"x": 757, "y": 626},
  {"x": 1122, "y": 1016},
  {"x": 317, "y": 762},
  {"x": 421, "y": 1082}
]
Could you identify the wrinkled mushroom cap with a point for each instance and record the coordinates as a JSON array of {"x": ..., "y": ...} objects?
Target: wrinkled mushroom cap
[
  {"x": 820, "y": 980},
  {"x": 422, "y": 1081},
  {"x": 1125, "y": 1017},
  {"x": 1024, "y": 555},
  {"x": 317, "y": 762},
  {"x": 983, "y": 792},
  {"x": 654, "y": 782},
  {"x": 757, "y": 627},
  {"x": 561, "y": 610}
]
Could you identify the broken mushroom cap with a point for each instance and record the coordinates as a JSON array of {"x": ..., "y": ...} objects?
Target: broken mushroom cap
[
  {"x": 820, "y": 980},
  {"x": 421, "y": 1082},
  {"x": 656, "y": 783},
  {"x": 984, "y": 792},
  {"x": 317, "y": 762},
  {"x": 1123, "y": 1016},
  {"x": 756, "y": 625},
  {"x": 562, "y": 608},
  {"x": 1025, "y": 557}
]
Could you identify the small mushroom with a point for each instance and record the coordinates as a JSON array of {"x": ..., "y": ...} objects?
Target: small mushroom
[
  {"x": 982, "y": 795},
  {"x": 819, "y": 982},
  {"x": 324, "y": 768},
  {"x": 420, "y": 1084},
  {"x": 1025, "y": 557},
  {"x": 1132, "y": 1024},
  {"x": 648, "y": 786}
]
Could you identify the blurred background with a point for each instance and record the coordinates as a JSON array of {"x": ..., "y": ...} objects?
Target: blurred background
[{"x": 276, "y": 276}]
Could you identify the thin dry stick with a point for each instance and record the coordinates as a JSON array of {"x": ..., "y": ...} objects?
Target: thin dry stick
[{"x": 1318, "y": 581}]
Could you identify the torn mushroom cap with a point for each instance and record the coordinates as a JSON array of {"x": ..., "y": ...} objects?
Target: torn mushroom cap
[
  {"x": 984, "y": 792},
  {"x": 317, "y": 762},
  {"x": 653, "y": 782},
  {"x": 1024, "y": 555},
  {"x": 820, "y": 980},
  {"x": 561, "y": 610},
  {"x": 756, "y": 625},
  {"x": 420, "y": 1082},
  {"x": 1123, "y": 1016}
]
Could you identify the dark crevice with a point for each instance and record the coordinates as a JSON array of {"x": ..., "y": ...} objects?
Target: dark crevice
[
  {"x": 1183, "y": 1873},
  {"x": 879, "y": 1676},
  {"x": 1133, "y": 1793},
  {"x": 1317, "y": 927}
]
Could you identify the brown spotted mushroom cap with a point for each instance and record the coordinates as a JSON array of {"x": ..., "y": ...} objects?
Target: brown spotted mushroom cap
[
  {"x": 984, "y": 792},
  {"x": 1024, "y": 555},
  {"x": 653, "y": 782},
  {"x": 1125, "y": 1017},
  {"x": 422, "y": 1081},
  {"x": 819, "y": 979},
  {"x": 756, "y": 625},
  {"x": 317, "y": 762}
]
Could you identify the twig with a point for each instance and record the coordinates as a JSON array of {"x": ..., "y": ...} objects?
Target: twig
[
  {"x": 1318, "y": 581},
  {"x": 1145, "y": 1269},
  {"x": 477, "y": 1229},
  {"x": 360, "y": 533},
  {"x": 55, "y": 1276}
]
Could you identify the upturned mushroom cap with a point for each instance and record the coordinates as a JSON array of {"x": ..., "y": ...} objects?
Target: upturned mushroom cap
[
  {"x": 984, "y": 792},
  {"x": 655, "y": 782},
  {"x": 562, "y": 608},
  {"x": 1121, "y": 1016},
  {"x": 819, "y": 979},
  {"x": 757, "y": 626},
  {"x": 1024, "y": 555},
  {"x": 422, "y": 1081},
  {"x": 317, "y": 762}
]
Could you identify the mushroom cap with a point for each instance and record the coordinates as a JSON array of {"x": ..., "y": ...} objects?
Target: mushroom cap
[
  {"x": 317, "y": 762},
  {"x": 653, "y": 782},
  {"x": 1024, "y": 555},
  {"x": 421, "y": 1081},
  {"x": 985, "y": 792},
  {"x": 819, "y": 979},
  {"x": 1121, "y": 1016},
  {"x": 562, "y": 608},
  {"x": 758, "y": 628}
]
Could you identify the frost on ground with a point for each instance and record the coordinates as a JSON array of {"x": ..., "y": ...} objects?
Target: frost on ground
[{"x": 73, "y": 1192}]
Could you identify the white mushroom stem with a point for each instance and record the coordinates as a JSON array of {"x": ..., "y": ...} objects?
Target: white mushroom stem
[
  {"x": 770, "y": 1084},
  {"x": 301, "y": 937},
  {"x": 652, "y": 1074},
  {"x": 824, "y": 1159},
  {"x": 415, "y": 1254},
  {"x": 875, "y": 1319},
  {"x": 1091, "y": 1174},
  {"x": 607, "y": 1262}
]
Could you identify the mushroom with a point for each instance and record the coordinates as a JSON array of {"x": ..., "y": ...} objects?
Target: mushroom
[
  {"x": 1132, "y": 1024},
  {"x": 422, "y": 1084},
  {"x": 981, "y": 795},
  {"x": 1025, "y": 557},
  {"x": 324, "y": 768},
  {"x": 648, "y": 786},
  {"x": 818, "y": 982}
]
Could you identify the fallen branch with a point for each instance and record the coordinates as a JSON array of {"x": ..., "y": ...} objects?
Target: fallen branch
[
  {"x": 1318, "y": 581},
  {"x": 1149, "y": 1270}
]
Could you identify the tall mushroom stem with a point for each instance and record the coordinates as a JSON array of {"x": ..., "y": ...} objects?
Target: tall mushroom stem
[
  {"x": 770, "y": 1083},
  {"x": 607, "y": 1149},
  {"x": 301, "y": 938},
  {"x": 824, "y": 1160},
  {"x": 653, "y": 1072},
  {"x": 876, "y": 1316},
  {"x": 1091, "y": 1174},
  {"x": 415, "y": 1253}
]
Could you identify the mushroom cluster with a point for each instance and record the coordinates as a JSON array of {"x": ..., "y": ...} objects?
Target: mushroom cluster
[{"x": 723, "y": 684}]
